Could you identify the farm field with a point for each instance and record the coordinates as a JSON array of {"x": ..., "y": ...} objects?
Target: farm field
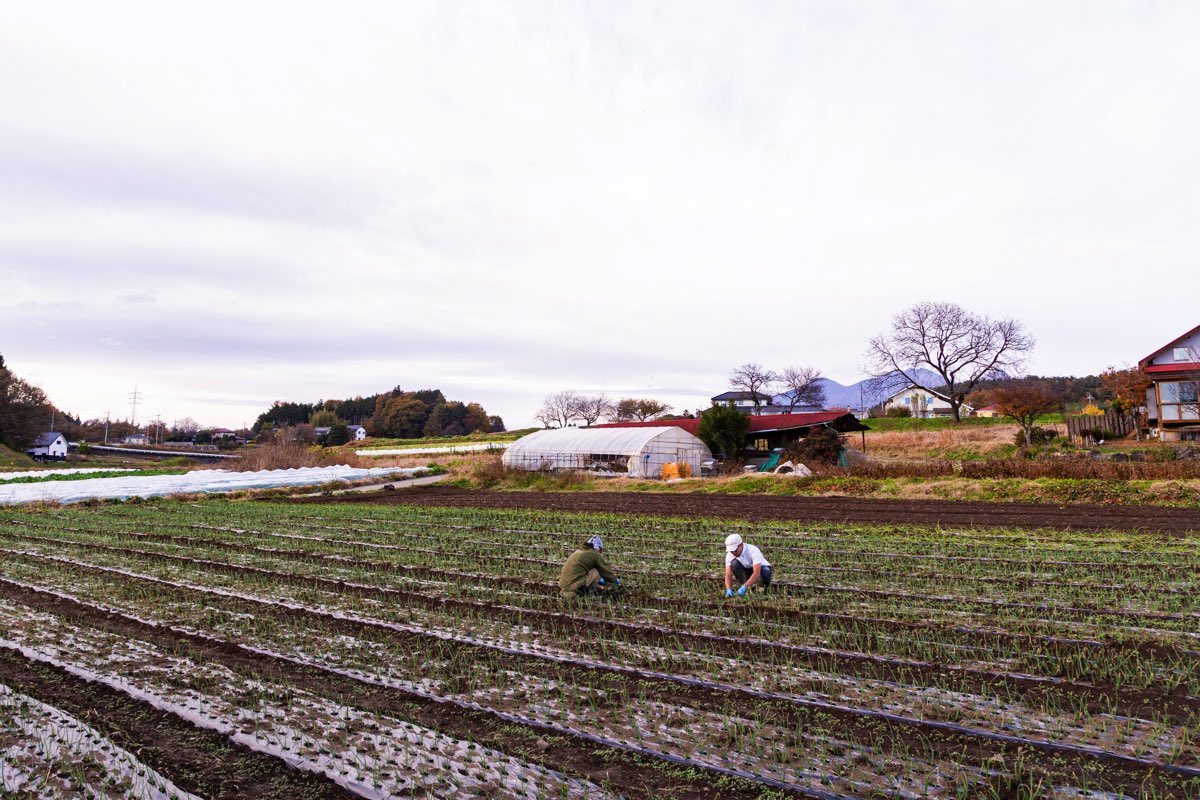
[{"x": 295, "y": 650}]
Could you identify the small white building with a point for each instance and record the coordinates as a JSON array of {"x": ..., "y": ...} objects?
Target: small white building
[
  {"x": 923, "y": 404},
  {"x": 639, "y": 452},
  {"x": 357, "y": 432},
  {"x": 137, "y": 438},
  {"x": 50, "y": 446}
]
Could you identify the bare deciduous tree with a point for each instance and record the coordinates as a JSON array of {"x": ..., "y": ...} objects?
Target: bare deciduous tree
[
  {"x": 1026, "y": 400},
  {"x": 558, "y": 410},
  {"x": 640, "y": 409},
  {"x": 803, "y": 387},
  {"x": 755, "y": 379},
  {"x": 594, "y": 407},
  {"x": 960, "y": 347}
]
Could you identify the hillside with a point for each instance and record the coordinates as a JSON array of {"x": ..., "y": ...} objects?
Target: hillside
[{"x": 11, "y": 459}]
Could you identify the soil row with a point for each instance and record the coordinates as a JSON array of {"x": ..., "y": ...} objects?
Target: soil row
[
  {"x": 799, "y": 509},
  {"x": 973, "y": 637},
  {"x": 197, "y": 760},
  {"x": 794, "y": 588},
  {"x": 1018, "y": 581},
  {"x": 1123, "y": 560},
  {"x": 952, "y": 742},
  {"x": 1174, "y": 707},
  {"x": 551, "y": 748}
]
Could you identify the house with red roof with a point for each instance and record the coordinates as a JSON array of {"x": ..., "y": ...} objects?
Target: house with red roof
[{"x": 1171, "y": 401}]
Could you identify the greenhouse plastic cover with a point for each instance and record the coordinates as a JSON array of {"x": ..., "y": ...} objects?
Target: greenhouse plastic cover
[
  {"x": 204, "y": 480},
  {"x": 647, "y": 449}
]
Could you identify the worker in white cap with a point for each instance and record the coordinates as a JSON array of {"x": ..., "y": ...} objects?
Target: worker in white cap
[
  {"x": 744, "y": 563},
  {"x": 586, "y": 571}
]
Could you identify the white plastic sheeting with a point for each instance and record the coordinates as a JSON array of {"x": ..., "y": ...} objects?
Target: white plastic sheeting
[
  {"x": 204, "y": 480},
  {"x": 419, "y": 451},
  {"x": 640, "y": 452},
  {"x": 41, "y": 473}
]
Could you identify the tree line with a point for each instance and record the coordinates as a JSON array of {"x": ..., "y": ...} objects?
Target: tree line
[{"x": 398, "y": 414}]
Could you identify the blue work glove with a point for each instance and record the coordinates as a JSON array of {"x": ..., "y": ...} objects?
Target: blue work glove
[
  {"x": 618, "y": 583},
  {"x": 602, "y": 583},
  {"x": 742, "y": 592},
  {"x": 729, "y": 592}
]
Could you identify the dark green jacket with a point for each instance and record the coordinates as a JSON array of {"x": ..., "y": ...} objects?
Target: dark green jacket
[{"x": 581, "y": 562}]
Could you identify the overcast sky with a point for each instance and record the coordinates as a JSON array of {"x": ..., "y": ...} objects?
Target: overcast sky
[{"x": 228, "y": 204}]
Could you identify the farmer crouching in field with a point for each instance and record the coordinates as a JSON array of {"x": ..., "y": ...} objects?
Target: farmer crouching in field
[
  {"x": 745, "y": 564},
  {"x": 586, "y": 571}
]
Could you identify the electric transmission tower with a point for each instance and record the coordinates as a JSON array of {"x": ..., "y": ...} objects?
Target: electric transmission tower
[{"x": 135, "y": 397}]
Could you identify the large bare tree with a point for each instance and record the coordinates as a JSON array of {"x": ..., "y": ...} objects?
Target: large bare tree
[
  {"x": 803, "y": 387},
  {"x": 591, "y": 408},
  {"x": 961, "y": 348},
  {"x": 558, "y": 410},
  {"x": 755, "y": 379}
]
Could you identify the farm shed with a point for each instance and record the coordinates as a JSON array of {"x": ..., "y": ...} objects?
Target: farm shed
[
  {"x": 639, "y": 452},
  {"x": 767, "y": 431}
]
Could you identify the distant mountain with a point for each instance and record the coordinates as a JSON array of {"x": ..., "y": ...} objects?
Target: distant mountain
[{"x": 863, "y": 393}]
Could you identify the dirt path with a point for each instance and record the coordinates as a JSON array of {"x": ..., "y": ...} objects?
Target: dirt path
[{"x": 806, "y": 509}]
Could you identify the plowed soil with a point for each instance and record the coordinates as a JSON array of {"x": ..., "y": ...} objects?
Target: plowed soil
[{"x": 803, "y": 509}]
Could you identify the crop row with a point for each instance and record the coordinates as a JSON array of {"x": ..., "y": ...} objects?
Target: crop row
[{"x": 898, "y": 732}]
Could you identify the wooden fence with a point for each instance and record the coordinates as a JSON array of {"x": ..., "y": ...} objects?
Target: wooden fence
[{"x": 1112, "y": 425}]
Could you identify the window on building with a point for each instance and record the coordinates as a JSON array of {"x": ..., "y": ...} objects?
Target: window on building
[
  {"x": 1179, "y": 401},
  {"x": 1183, "y": 354}
]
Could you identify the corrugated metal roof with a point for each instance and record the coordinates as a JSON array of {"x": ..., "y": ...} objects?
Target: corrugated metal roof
[
  {"x": 1180, "y": 367},
  {"x": 46, "y": 439},
  {"x": 759, "y": 423}
]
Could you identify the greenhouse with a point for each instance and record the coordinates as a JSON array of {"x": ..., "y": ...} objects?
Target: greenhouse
[{"x": 636, "y": 452}]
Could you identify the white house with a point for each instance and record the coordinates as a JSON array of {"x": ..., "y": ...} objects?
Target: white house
[
  {"x": 923, "y": 404},
  {"x": 1172, "y": 404},
  {"x": 357, "y": 432},
  {"x": 51, "y": 446},
  {"x": 136, "y": 438}
]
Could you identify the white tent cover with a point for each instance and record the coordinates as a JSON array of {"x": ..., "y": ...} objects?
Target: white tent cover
[{"x": 642, "y": 451}]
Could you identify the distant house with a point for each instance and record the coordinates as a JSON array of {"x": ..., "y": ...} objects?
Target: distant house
[
  {"x": 357, "y": 432},
  {"x": 1171, "y": 401},
  {"x": 749, "y": 402},
  {"x": 923, "y": 404},
  {"x": 223, "y": 433},
  {"x": 988, "y": 411},
  {"x": 49, "y": 446},
  {"x": 136, "y": 438}
]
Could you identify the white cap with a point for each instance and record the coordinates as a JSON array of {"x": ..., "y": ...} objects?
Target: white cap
[{"x": 732, "y": 541}]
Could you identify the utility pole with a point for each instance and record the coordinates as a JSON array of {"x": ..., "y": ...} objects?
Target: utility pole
[
  {"x": 135, "y": 397},
  {"x": 158, "y": 420},
  {"x": 106, "y": 427}
]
